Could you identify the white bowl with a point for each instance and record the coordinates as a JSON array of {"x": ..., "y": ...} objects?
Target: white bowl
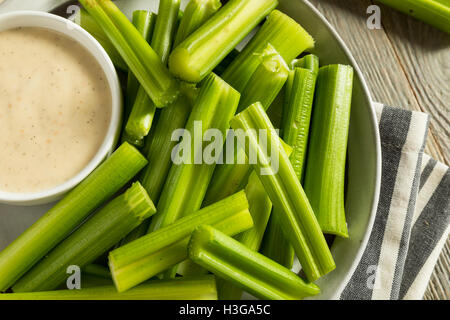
[
  {"x": 75, "y": 32},
  {"x": 364, "y": 151}
]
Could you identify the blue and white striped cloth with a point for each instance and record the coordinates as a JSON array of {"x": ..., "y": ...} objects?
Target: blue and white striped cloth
[{"x": 412, "y": 221}]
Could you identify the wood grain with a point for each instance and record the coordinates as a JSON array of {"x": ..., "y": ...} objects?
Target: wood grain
[{"x": 407, "y": 65}]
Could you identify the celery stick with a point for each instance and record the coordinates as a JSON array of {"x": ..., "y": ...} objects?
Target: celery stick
[
  {"x": 195, "y": 14},
  {"x": 88, "y": 24},
  {"x": 140, "y": 120},
  {"x": 161, "y": 145},
  {"x": 143, "y": 113},
  {"x": 297, "y": 115},
  {"x": 187, "y": 182},
  {"x": 137, "y": 53},
  {"x": 260, "y": 208},
  {"x": 287, "y": 37},
  {"x": 165, "y": 28},
  {"x": 296, "y": 121},
  {"x": 433, "y": 12},
  {"x": 194, "y": 58},
  {"x": 325, "y": 172},
  {"x": 286, "y": 193},
  {"x": 275, "y": 244},
  {"x": 310, "y": 62},
  {"x": 267, "y": 80},
  {"x": 200, "y": 288},
  {"x": 59, "y": 221},
  {"x": 97, "y": 270},
  {"x": 148, "y": 256},
  {"x": 248, "y": 269},
  {"x": 98, "y": 234},
  {"x": 144, "y": 21}
]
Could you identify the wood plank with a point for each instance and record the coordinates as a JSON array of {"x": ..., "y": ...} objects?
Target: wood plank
[
  {"x": 406, "y": 65},
  {"x": 424, "y": 53},
  {"x": 374, "y": 53}
]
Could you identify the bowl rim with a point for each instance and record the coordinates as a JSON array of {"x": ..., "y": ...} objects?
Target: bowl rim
[
  {"x": 377, "y": 144},
  {"x": 78, "y": 34}
]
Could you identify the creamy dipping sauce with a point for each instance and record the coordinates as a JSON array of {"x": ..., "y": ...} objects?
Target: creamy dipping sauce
[{"x": 55, "y": 109}]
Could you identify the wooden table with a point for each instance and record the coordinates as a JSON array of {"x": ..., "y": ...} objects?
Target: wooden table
[{"x": 406, "y": 64}]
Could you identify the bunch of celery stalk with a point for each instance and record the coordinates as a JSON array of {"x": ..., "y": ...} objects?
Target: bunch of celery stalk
[{"x": 143, "y": 227}]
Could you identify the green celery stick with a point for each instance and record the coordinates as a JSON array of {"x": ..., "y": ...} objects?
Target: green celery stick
[
  {"x": 58, "y": 222},
  {"x": 200, "y": 288},
  {"x": 325, "y": 171},
  {"x": 141, "y": 59},
  {"x": 195, "y": 14},
  {"x": 140, "y": 120},
  {"x": 296, "y": 122},
  {"x": 98, "y": 234},
  {"x": 310, "y": 62},
  {"x": 248, "y": 269},
  {"x": 287, "y": 37},
  {"x": 160, "y": 146},
  {"x": 260, "y": 208},
  {"x": 194, "y": 58},
  {"x": 88, "y": 24},
  {"x": 159, "y": 143},
  {"x": 165, "y": 28},
  {"x": 267, "y": 80},
  {"x": 297, "y": 217},
  {"x": 140, "y": 110},
  {"x": 97, "y": 270},
  {"x": 143, "y": 112},
  {"x": 187, "y": 182},
  {"x": 275, "y": 244},
  {"x": 297, "y": 115},
  {"x": 146, "y": 257},
  {"x": 433, "y": 12},
  {"x": 144, "y": 21}
]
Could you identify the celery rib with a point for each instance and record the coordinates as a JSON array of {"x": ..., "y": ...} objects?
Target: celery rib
[
  {"x": 286, "y": 193},
  {"x": 165, "y": 28},
  {"x": 248, "y": 269},
  {"x": 142, "y": 60},
  {"x": 325, "y": 171},
  {"x": 194, "y": 58},
  {"x": 199, "y": 288},
  {"x": 58, "y": 222},
  {"x": 144, "y": 21},
  {"x": 98, "y": 234},
  {"x": 156, "y": 252},
  {"x": 433, "y": 12}
]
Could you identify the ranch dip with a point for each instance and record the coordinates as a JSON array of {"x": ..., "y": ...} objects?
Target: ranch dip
[{"x": 55, "y": 109}]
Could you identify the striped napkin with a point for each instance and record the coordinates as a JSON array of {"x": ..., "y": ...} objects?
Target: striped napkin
[{"x": 412, "y": 221}]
